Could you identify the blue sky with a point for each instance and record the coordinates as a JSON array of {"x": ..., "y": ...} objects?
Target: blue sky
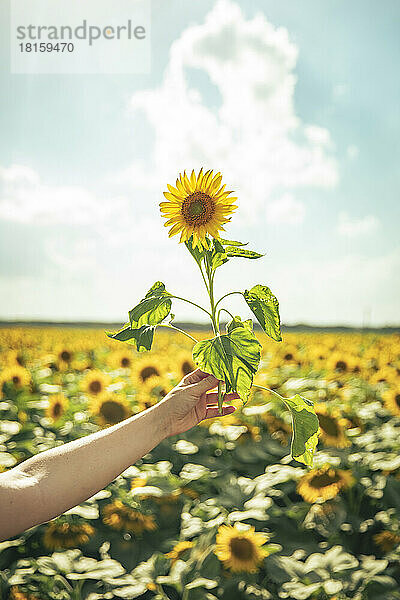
[{"x": 296, "y": 103}]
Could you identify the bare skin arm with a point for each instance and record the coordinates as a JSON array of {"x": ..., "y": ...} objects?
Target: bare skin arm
[{"x": 55, "y": 480}]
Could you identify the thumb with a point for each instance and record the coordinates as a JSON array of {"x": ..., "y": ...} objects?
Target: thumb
[{"x": 206, "y": 384}]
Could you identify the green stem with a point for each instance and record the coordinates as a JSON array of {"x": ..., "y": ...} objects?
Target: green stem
[
  {"x": 261, "y": 387},
  {"x": 226, "y": 295},
  {"x": 180, "y": 330},
  {"x": 214, "y": 320},
  {"x": 193, "y": 303},
  {"x": 227, "y": 311}
]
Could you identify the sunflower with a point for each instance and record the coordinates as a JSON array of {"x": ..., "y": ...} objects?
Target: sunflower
[
  {"x": 178, "y": 550},
  {"x": 16, "y": 376},
  {"x": 386, "y": 540},
  {"x": 17, "y": 594},
  {"x": 240, "y": 549},
  {"x": 197, "y": 206},
  {"x": 277, "y": 428},
  {"x": 324, "y": 483},
  {"x": 56, "y": 407},
  {"x": 64, "y": 357},
  {"x": 63, "y": 534},
  {"x": 122, "y": 359},
  {"x": 109, "y": 409},
  {"x": 95, "y": 383},
  {"x": 331, "y": 427},
  {"x": 122, "y": 517},
  {"x": 392, "y": 401}
]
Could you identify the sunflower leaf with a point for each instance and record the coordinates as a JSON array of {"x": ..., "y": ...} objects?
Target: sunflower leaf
[
  {"x": 197, "y": 253},
  {"x": 153, "y": 308},
  {"x": 218, "y": 255},
  {"x": 237, "y": 322},
  {"x": 233, "y": 358},
  {"x": 305, "y": 429},
  {"x": 265, "y": 307},
  {"x": 142, "y": 337},
  {"x": 234, "y": 252},
  {"x": 232, "y": 243}
]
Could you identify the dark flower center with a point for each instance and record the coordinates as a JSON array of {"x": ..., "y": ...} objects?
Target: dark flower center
[
  {"x": 16, "y": 380},
  {"x": 113, "y": 412},
  {"x": 341, "y": 365},
  {"x": 323, "y": 480},
  {"x": 397, "y": 399},
  {"x": 328, "y": 425},
  {"x": 65, "y": 356},
  {"x": 198, "y": 209},
  {"x": 95, "y": 386},
  {"x": 57, "y": 409},
  {"x": 125, "y": 362},
  {"x": 148, "y": 372},
  {"x": 186, "y": 367},
  {"x": 242, "y": 548}
]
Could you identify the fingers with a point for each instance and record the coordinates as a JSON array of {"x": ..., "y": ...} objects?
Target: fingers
[
  {"x": 212, "y": 411},
  {"x": 195, "y": 377},
  {"x": 213, "y": 397}
]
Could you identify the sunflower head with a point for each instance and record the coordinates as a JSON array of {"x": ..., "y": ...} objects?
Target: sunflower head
[
  {"x": 122, "y": 517},
  {"x": 319, "y": 485},
  {"x": 198, "y": 206},
  {"x": 62, "y": 534},
  {"x": 240, "y": 549},
  {"x": 109, "y": 409},
  {"x": 56, "y": 407}
]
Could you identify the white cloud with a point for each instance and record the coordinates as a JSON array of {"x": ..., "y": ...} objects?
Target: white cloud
[
  {"x": 255, "y": 136},
  {"x": 26, "y": 199},
  {"x": 285, "y": 210},
  {"x": 357, "y": 227}
]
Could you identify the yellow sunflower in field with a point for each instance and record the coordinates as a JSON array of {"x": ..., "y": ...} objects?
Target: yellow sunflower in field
[
  {"x": 62, "y": 535},
  {"x": 64, "y": 358},
  {"x": 240, "y": 550},
  {"x": 122, "y": 359},
  {"x": 122, "y": 517},
  {"x": 331, "y": 426},
  {"x": 197, "y": 206},
  {"x": 95, "y": 383},
  {"x": 324, "y": 483},
  {"x": 109, "y": 409},
  {"x": 392, "y": 401},
  {"x": 16, "y": 376},
  {"x": 17, "y": 594},
  {"x": 277, "y": 428},
  {"x": 386, "y": 540},
  {"x": 385, "y": 375},
  {"x": 179, "y": 550},
  {"x": 56, "y": 407}
]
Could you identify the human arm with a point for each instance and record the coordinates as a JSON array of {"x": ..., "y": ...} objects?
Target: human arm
[{"x": 55, "y": 480}]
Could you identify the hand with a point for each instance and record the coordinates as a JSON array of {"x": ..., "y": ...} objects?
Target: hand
[{"x": 188, "y": 403}]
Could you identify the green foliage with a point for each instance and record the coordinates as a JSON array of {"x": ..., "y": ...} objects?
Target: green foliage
[
  {"x": 153, "y": 309},
  {"x": 305, "y": 429},
  {"x": 265, "y": 307},
  {"x": 141, "y": 337},
  {"x": 232, "y": 358},
  {"x": 233, "y": 251}
]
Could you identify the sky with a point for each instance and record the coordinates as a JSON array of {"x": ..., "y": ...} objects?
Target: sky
[{"x": 296, "y": 103}]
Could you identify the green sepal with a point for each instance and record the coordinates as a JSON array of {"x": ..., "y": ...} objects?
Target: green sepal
[
  {"x": 235, "y": 252},
  {"x": 153, "y": 308},
  {"x": 305, "y": 429},
  {"x": 142, "y": 337},
  {"x": 265, "y": 307},
  {"x": 232, "y": 358}
]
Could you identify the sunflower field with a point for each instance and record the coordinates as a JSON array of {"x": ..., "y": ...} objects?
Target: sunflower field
[{"x": 222, "y": 511}]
